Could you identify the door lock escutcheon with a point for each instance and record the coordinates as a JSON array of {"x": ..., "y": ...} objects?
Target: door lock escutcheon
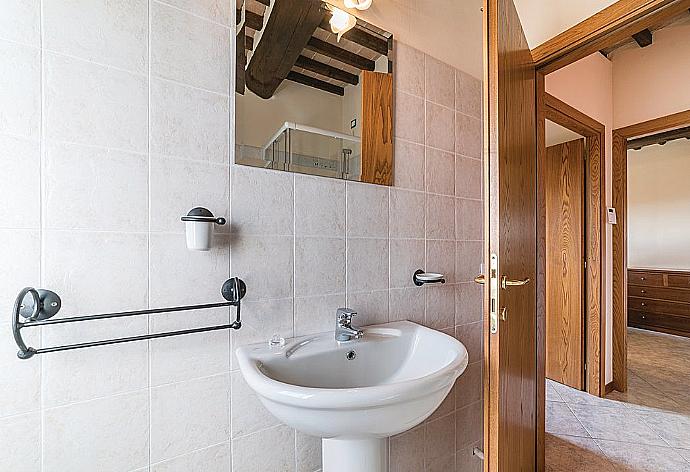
[
  {"x": 494, "y": 316},
  {"x": 493, "y": 291}
]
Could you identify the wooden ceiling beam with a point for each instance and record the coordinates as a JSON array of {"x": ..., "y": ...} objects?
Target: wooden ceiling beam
[
  {"x": 340, "y": 54},
  {"x": 361, "y": 37},
  {"x": 316, "y": 83},
  {"x": 326, "y": 70},
  {"x": 288, "y": 29},
  {"x": 251, "y": 20},
  {"x": 266, "y": 3},
  {"x": 248, "y": 42},
  {"x": 643, "y": 38}
]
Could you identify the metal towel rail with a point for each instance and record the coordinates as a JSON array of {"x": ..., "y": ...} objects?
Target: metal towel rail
[{"x": 39, "y": 306}]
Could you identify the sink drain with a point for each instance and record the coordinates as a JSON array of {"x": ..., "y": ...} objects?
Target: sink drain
[{"x": 350, "y": 355}]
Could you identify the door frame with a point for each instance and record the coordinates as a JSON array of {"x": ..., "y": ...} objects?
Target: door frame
[
  {"x": 606, "y": 28},
  {"x": 559, "y": 112},
  {"x": 619, "y": 189},
  {"x": 549, "y": 107}
]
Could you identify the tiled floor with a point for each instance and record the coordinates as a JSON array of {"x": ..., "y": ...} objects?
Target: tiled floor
[{"x": 645, "y": 429}]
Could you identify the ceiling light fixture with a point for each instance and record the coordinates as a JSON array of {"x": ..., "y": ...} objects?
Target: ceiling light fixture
[
  {"x": 358, "y": 4},
  {"x": 341, "y": 21}
]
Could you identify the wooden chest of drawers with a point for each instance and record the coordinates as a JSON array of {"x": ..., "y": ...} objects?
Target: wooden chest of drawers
[{"x": 659, "y": 300}]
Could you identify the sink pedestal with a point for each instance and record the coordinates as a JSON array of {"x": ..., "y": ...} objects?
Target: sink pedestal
[{"x": 349, "y": 455}]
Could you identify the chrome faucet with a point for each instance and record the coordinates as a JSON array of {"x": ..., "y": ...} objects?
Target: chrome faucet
[{"x": 343, "y": 325}]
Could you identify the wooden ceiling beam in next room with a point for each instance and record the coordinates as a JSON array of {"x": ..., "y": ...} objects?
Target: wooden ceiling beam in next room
[
  {"x": 613, "y": 25},
  {"x": 659, "y": 138},
  {"x": 652, "y": 29},
  {"x": 643, "y": 38}
]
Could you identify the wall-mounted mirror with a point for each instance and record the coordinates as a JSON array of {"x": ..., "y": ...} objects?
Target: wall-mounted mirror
[{"x": 309, "y": 100}]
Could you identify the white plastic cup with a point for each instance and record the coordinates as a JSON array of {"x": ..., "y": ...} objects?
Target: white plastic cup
[{"x": 199, "y": 234}]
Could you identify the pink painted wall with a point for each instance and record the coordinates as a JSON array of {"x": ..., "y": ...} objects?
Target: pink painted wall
[
  {"x": 654, "y": 81},
  {"x": 587, "y": 86}
]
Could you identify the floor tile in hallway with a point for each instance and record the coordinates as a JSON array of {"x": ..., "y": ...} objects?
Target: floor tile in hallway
[{"x": 646, "y": 429}]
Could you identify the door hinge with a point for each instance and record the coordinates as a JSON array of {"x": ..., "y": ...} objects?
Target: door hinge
[{"x": 585, "y": 263}]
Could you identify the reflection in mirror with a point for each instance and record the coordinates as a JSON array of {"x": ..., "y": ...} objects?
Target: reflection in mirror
[{"x": 308, "y": 101}]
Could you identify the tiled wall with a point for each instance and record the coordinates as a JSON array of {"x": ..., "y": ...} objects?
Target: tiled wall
[{"x": 113, "y": 123}]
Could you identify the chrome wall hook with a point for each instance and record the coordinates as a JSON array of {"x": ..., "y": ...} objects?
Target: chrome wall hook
[{"x": 421, "y": 277}]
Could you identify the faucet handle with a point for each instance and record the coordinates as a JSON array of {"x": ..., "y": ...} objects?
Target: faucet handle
[{"x": 345, "y": 314}]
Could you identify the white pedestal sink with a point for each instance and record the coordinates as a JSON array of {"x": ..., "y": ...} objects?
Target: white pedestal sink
[{"x": 355, "y": 394}]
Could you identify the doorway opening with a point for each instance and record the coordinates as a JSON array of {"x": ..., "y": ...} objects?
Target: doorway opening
[
  {"x": 651, "y": 280},
  {"x": 571, "y": 242},
  {"x": 565, "y": 243}
]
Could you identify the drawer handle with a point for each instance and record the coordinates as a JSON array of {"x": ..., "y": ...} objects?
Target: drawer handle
[
  {"x": 642, "y": 278},
  {"x": 644, "y": 317},
  {"x": 643, "y": 304},
  {"x": 643, "y": 291}
]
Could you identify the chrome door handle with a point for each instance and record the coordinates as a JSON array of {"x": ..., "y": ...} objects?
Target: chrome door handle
[
  {"x": 480, "y": 279},
  {"x": 505, "y": 283}
]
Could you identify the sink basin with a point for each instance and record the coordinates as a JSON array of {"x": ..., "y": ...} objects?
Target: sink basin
[{"x": 354, "y": 394}]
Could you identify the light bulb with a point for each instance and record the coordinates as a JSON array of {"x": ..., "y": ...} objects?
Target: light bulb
[
  {"x": 358, "y": 4},
  {"x": 341, "y": 22}
]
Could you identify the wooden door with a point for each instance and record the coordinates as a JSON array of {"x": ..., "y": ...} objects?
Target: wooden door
[
  {"x": 564, "y": 187},
  {"x": 510, "y": 168},
  {"x": 377, "y": 128}
]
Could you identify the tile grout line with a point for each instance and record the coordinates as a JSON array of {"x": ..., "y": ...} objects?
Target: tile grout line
[
  {"x": 589, "y": 433},
  {"x": 230, "y": 173},
  {"x": 41, "y": 177},
  {"x": 54, "y": 52},
  {"x": 455, "y": 153},
  {"x": 185, "y": 454},
  {"x": 294, "y": 292},
  {"x": 603, "y": 454},
  {"x": 425, "y": 290},
  {"x": 229, "y": 27},
  {"x": 348, "y": 282},
  {"x": 636, "y": 412},
  {"x": 626, "y": 409},
  {"x": 148, "y": 237}
]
